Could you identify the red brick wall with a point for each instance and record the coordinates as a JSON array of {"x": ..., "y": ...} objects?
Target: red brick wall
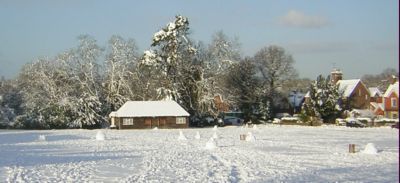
[
  {"x": 388, "y": 102},
  {"x": 360, "y": 98}
]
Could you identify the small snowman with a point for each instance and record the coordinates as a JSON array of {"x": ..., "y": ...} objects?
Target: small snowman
[
  {"x": 197, "y": 136},
  {"x": 250, "y": 137},
  {"x": 211, "y": 144},
  {"x": 100, "y": 135},
  {"x": 181, "y": 136}
]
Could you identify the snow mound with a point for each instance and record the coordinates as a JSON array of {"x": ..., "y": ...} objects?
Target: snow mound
[
  {"x": 100, "y": 135},
  {"x": 250, "y": 137},
  {"x": 215, "y": 128},
  {"x": 215, "y": 135},
  {"x": 197, "y": 136},
  {"x": 211, "y": 144},
  {"x": 370, "y": 149},
  {"x": 42, "y": 138},
  {"x": 155, "y": 128},
  {"x": 181, "y": 136}
]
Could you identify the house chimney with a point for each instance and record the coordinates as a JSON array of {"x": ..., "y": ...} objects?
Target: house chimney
[
  {"x": 393, "y": 79},
  {"x": 336, "y": 75}
]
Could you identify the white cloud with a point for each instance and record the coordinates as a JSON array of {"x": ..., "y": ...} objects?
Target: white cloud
[{"x": 298, "y": 19}]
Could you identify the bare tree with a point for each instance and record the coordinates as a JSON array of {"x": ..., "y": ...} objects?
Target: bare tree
[
  {"x": 223, "y": 53},
  {"x": 381, "y": 80},
  {"x": 243, "y": 84},
  {"x": 119, "y": 72},
  {"x": 275, "y": 67}
]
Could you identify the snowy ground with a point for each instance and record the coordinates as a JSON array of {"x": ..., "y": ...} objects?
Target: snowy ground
[{"x": 279, "y": 154}]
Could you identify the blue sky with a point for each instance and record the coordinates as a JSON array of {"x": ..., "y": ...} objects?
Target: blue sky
[{"x": 358, "y": 36}]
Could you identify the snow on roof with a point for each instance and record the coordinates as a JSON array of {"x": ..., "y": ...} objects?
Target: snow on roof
[
  {"x": 378, "y": 105},
  {"x": 307, "y": 94},
  {"x": 113, "y": 114},
  {"x": 392, "y": 88},
  {"x": 348, "y": 86},
  {"x": 150, "y": 109},
  {"x": 375, "y": 91},
  {"x": 363, "y": 113}
]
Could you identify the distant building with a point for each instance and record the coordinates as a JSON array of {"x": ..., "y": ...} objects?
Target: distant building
[
  {"x": 376, "y": 101},
  {"x": 355, "y": 94},
  {"x": 376, "y": 95},
  {"x": 391, "y": 101},
  {"x": 149, "y": 114}
]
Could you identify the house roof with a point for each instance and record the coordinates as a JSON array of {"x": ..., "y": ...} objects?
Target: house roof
[
  {"x": 378, "y": 106},
  {"x": 348, "y": 86},
  {"x": 392, "y": 88},
  {"x": 375, "y": 91},
  {"x": 149, "y": 109}
]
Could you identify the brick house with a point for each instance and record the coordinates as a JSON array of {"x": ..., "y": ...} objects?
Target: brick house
[
  {"x": 391, "y": 101},
  {"x": 376, "y": 101},
  {"x": 355, "y": 94},
  {"x": 149, "y": 114}
]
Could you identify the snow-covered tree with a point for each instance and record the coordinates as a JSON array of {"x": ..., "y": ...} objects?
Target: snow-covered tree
[
  {"x": 173, "y": 57},
  {"x": 324, "y": 100},
  {"x": 64, "y": 91},
  {"x": 264, "y": 109},
  {"x": 120, "y": 66},
  {"x": 223, "y": 52},
  {"x": 10, "y": 102},
  {"x": 43, "y": 85},
  {"x": 87, "y": 82},
  {"x": 382, "y": 80}
]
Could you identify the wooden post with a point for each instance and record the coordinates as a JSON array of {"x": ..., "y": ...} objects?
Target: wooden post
[
  {"x": 352, "y": 148},
  {"x": 242, "y": 136}
]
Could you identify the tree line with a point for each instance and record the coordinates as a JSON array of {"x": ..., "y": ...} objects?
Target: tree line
[{"x": 78, "y": 88}]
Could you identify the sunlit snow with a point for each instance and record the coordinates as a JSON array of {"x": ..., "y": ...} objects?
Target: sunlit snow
[{"x": 279, "y": 154}]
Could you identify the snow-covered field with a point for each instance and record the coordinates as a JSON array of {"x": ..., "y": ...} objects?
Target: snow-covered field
[{"x": 278, "y": 154}]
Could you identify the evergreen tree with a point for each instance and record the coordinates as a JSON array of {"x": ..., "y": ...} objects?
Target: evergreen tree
[
  {"x": 175, "y": 58},
  {"x": 324, "y": 100},
  {"x": 119, "y": 73}
]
